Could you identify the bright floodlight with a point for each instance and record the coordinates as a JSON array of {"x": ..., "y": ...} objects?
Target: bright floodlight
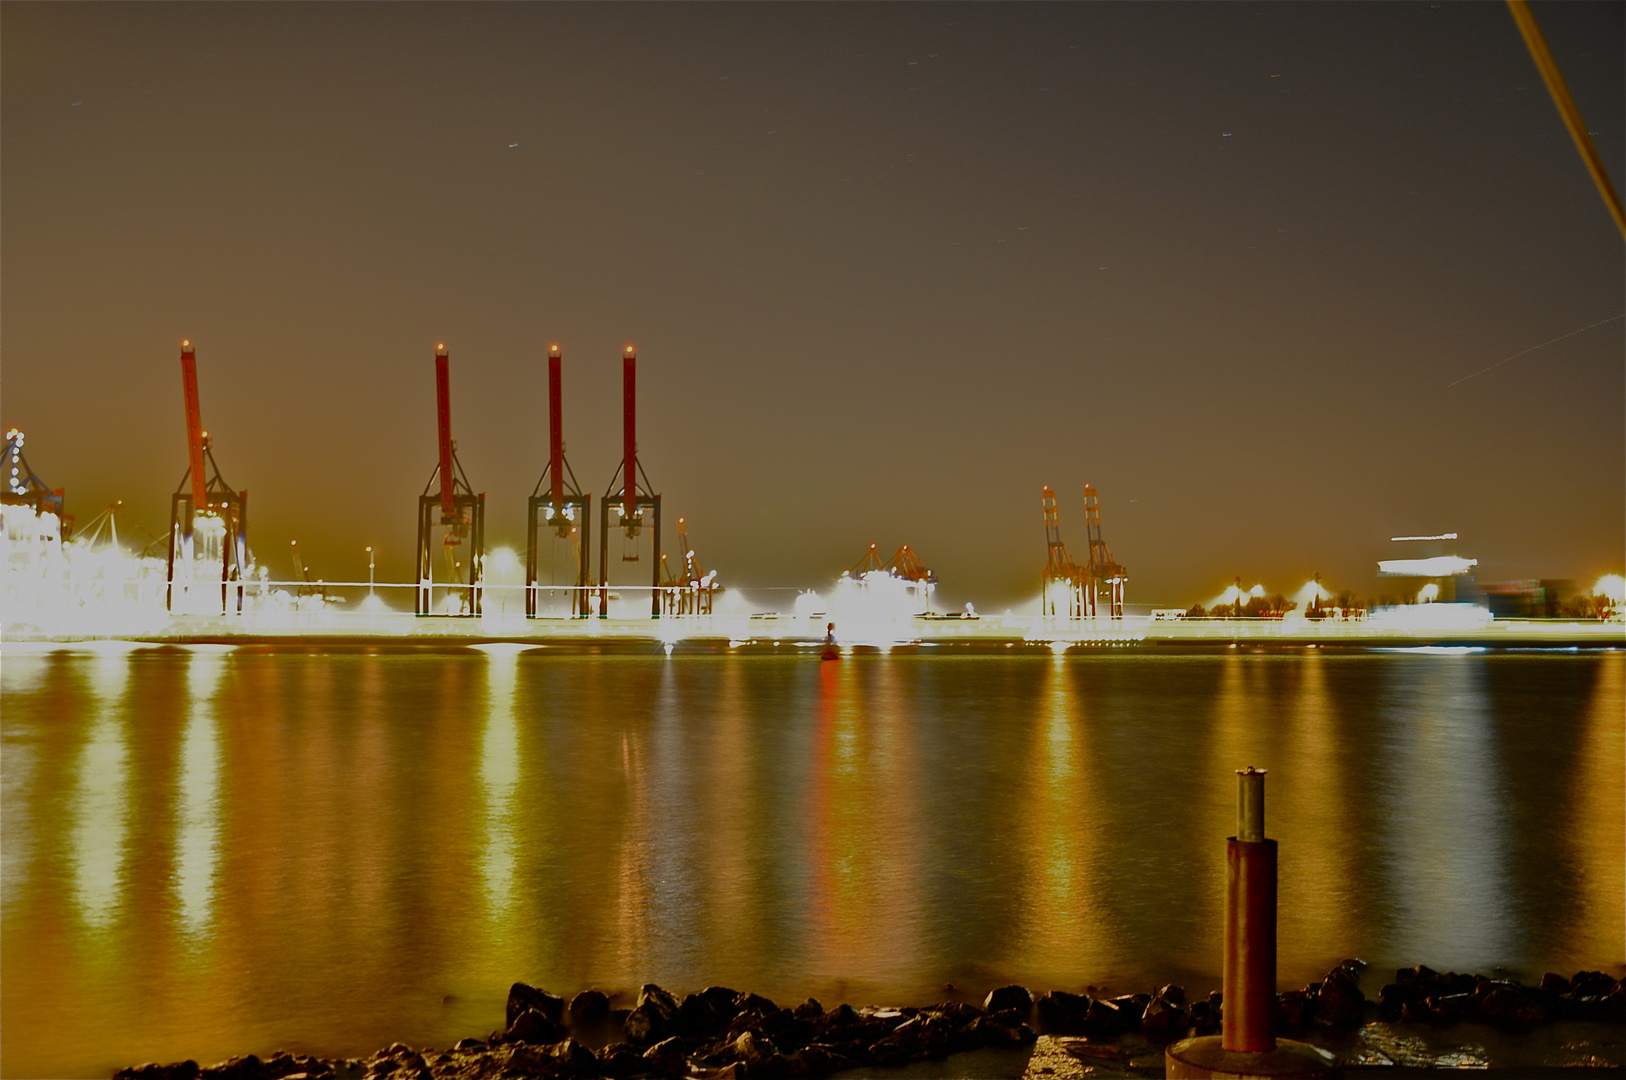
[
  {"x": 1611, "y": 585},
  {"x": 1439, "y": 566}
]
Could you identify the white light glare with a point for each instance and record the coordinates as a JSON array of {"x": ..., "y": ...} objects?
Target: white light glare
[{"x": 1439, "y": 566}]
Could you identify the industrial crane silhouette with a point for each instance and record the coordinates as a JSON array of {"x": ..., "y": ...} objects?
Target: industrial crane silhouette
[
  {"x": 1104, "y": 574},
  {"x": 461, "y": 512},
  {"x": 1063, "y": 578},
  {"x": 205, "y": 505},
  {"x": 565, "y": 508}
]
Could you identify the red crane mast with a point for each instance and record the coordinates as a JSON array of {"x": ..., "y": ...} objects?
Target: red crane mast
[{"x": 1104, "y": 573}]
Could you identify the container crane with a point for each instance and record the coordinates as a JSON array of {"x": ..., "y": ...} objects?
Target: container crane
[
  {"x": 1104, "y": 574},
  {"x": 205, "y": 512},
  {"x": 565, "y": 508},
  {"x": 629, "y": 497},
  {"x": 1063, "y": 578},
  {"x": 449, "y": 501},
  {"x": 24, "y": 486},
  {"x": 691, "y": 593}
]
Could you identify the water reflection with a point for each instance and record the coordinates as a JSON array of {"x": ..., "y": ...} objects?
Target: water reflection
[
  {"x": 498, "y": 777},
  {"x": 1441, "y": 815},
  {"x": 1598, "y": 820},
  {"x": 197, "y": 813},
  {"x": 100, "y": 800},
  {"x": 1063, "y": 931}
]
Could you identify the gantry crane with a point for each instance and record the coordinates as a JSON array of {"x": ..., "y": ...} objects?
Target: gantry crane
[
  {"x": 23, "y": 487},
  {"x": 1063, "y": 578},
  {"x": 691, "y": 593},
  {"x": 461, "y": 512},
  {"x": 205, "y": 512},
  {"x": 629, "y": 498},
  {"x": 565, "y": 507},
  {"x": 1104, "y": 573}
]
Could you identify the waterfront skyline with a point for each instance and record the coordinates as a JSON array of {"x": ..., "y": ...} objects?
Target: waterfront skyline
[{"x": 1252, "y": 271}]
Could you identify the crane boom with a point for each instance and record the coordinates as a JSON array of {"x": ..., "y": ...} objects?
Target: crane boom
[
  {"x": 194, "y": 427},
  {"x": 629, "y": 436}
]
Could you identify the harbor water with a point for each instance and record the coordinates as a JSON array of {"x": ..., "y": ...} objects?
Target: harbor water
[{"x": 216, "y": 850}]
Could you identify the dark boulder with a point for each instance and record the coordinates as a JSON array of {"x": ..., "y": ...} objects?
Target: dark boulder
[
  {"x": 1295, "y": 1009},
  {"x": 666, "y": 1058},
  {"x": 183, "y": 1070},
  {"x": 618, "y": 1059},
  {"x": 1009, "y": 1017},
  {"x": 571, "y": 1058},
  {"x": 1130, "y": 1008},
  {"x": 1509, "y": 1005},
  {"x": 809, "y": 1010},
  {"x": 522, "y": 996},
  {"x": 1554, "y": 983},
  {"x": 755, "y": 1003},
  {"x": 1205, "y": 1019},
  {"x": 752, "y": 1050},
  {"x": 1339, "y": 1001},
  {"x": 1104, "y": 1020},
  {"x": 658, "y": 999},
  {"x": 1061, "y": 1013},
  {"x": 1393, "y": 999},
  {"x": 589, "y": 1007},
  {"x": 648, "y": 1024},
  {"x": 1163, "y": 1022},
  {"x": 697, "y": 1017},
  {"x": 1589, "y": 984},
  {"x": 723, "y": 1001},
  {"x": 1006, "y": 998},
  {"x": 840, "y": 1015},
  {"x": 530, "y": 1026},
  {"x": 1422, "y": 976},
  {"x": 1172, "y": 993}
]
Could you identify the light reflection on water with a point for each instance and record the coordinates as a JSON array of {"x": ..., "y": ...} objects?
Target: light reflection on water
[{"x": 223, "y": 851}]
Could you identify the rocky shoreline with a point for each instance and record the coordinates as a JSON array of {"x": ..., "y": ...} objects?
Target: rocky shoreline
[{"x": 719, "y": 1032}]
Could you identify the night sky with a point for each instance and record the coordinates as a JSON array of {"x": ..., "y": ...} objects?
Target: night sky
[{"x": 889, "y": 270}]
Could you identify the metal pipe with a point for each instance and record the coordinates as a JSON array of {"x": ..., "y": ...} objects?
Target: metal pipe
[{"x": 1248, "y": 1023}]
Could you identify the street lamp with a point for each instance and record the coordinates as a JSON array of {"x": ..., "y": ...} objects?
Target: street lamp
[{"x": 369, "y": 572}]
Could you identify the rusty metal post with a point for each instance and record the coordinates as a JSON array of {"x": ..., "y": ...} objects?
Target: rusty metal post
[
  {"x": 1249, "y": 1016},
  {"x": 1247, "y": 1045}
]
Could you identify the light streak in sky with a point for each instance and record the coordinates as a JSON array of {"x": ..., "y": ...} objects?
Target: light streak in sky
[{"x": 1533, "y": 348}]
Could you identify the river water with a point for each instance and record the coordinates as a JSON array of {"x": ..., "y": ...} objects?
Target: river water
[{"x": 210, "y": 850}]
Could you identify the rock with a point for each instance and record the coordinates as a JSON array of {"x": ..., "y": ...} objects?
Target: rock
[
  {"x": 1173, "y": 994},
  {"x": 841, "y": 1014},
  {"x": 1006, "y": 998},
  {"x": 1421, "y": 975},
  {"x": 588, "y": 1007},
  {"x": 751, "y": 1049},
  {"x": 695, "y": 1016},
  {"x": 1339, "y": 1001},
  {"x": 184, "y": 1070},
  {"x": 1295, "y": 1009},
  {"x": 666, "y": 1058},
  {"x": 1554, "y": 983},
  {"x": 809, "y": 1010},
  {"x": 469, "y": 1044},
  {"x": 1103, "y": 1020},
  {"x": 820, "y": 1059},
  {"x": 653, "y": 996},
  {"x": 788, "y": 1031},
  {"x": 522, "y": 996},
  {"x": 755, "y": 1003},
  {"x": 1163, "y": 1022},
  {"x": 619, "y": 1060},
  {"x": 1205, "y": 1019},
  {"x": 723, "y": 1001},
  {"x": 237, "y": 1068},
  {"x": 532, "y": 1027},
  {"x": 1591, "y": 984},
  {"x": 1510, "y": 1005},
  {"x": 1130, "y": 1008},
  {"x": 571, "y": 1058},
  {"x": 993, "y": 1033},
  {"x": 1393, "y": 998},
  {"x": 647, "y": 1025},
  {"x": 1061, "y": 1013},
  {"x": 1009, "y": 1017},
  {"x": 959, "y": 1012}
]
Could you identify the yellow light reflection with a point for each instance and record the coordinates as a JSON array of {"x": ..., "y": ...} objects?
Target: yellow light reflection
[
  {"x": 1064, "y": 932},
  {"x": 499, "y": 776},
  {"x": 100, "y": 829},
  {"x": 197, "y": 826},
  {"x": 1599, "y": 831}
]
